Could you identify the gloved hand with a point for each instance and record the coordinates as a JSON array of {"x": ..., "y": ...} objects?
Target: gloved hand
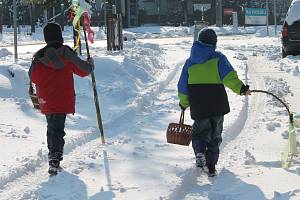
[
  {"x": 182, "y": 107},
  {"x": 245, "y": 90},
  {"x": 91, "y": 62}
]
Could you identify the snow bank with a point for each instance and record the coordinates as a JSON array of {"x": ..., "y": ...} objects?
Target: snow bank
[
  {"x": 4, "y": 52},
  {"x": 161, "y": 30},
  {"x": 13, "y": 81},
  {"x": 291, "y": 65},
  {"x": 133, "y": 68},
  {"x": 130, "y": 34},
  {"x": 165, "y": 31},
  {"x": 25, "y": 37},
  {"x": 280, "y": 88},
  {"x": 263, "y": 32},
  {"x": 122, "y": 77}
]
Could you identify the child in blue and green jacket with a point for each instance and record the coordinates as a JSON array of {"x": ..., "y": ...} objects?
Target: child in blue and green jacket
[{"x": 201, "y": 87}]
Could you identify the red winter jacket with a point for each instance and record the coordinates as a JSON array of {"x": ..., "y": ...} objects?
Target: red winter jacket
[{"x": 52, "y": 73}]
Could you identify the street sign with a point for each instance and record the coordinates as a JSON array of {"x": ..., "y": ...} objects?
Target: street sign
[
  {"x": 228, "y": 11},
  {"x": 256, "y": 16}
]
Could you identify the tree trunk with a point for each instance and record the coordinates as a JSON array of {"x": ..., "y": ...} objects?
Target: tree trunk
[
  {"x": 45, "y": 16},
  {"x": 1, "y": 16},
  {"x": 32, "y": 17}
]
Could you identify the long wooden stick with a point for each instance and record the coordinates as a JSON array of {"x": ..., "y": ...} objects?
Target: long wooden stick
[{"x": 94, "y": 89}]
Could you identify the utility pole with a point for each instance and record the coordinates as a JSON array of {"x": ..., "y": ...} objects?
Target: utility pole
[
  {"x": 128, "y": 14},
  {"x": 219, "y": 13},
  {"x": 1, "y": 17},
  {"x": 185, "y": 11},
  {"x": 32, "y": 17},
  {"x": 62, "y": 16},
  {"x": 105, "y": 15},
  {"x": 275, "y": 17},
  {"x": 267, "y": 10},
  {"x": 15, "y": 30},
  {"x": 45, "y": 16},
  {"x": 53, "y": 12},
  {"x": 158, "y": 11}
]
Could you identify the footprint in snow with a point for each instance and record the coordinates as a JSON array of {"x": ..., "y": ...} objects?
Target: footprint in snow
[
  {"x": 272, "y": 125},
  {"x": 250, "y": 159},
  {"x": 296, "y": 71}
]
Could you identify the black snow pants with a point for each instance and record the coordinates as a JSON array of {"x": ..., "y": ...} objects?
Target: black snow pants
[
  {"x": 207, "y": 137},
  {"x": 55, "y": 135}
]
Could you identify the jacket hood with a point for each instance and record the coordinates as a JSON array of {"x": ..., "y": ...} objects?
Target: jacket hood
[
  {"x": 51, "y": 55},
  {"x": 201, "y": 52}
]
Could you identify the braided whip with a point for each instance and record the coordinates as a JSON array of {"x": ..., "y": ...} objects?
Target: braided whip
[
  {"x": 291, "y": 149},
  {"x": 276, "y": 97}
]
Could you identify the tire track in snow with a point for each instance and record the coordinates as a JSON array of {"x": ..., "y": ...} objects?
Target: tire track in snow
[
  {"x": 42, "y": 157},
  {"x": 255, "y": 106},
  {"x": 35, "y": 165},
  {"x": 189, "y": 179}
]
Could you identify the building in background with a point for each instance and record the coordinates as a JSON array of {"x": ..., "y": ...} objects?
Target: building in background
[
  {"x": 128, "y": 8},
  {"x": 185, "y": 12},
  {"x": 176, "y": 12},
  {"x": 240, "y": 6},
  {"x": 138, "y": 12},
  {"x": 131, "y": 13}
]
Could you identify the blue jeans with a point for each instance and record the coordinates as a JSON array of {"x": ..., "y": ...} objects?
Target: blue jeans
[
  {"x": 207, "y": 137},
  {"x": 55, "y": 135}
]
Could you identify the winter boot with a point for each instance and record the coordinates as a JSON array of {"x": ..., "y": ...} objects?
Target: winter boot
[
  {"x": 54, "y": 167},
  {"x": 212, "y": 172},
  {"x": 200, "y": 160}
]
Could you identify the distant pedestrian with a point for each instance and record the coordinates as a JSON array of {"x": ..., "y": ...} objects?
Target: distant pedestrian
[
  {"x": 51, "y": 73},
  {"x": 201, "y": 87}
]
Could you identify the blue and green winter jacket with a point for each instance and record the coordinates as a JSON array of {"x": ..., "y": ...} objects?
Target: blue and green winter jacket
[{"x": 202, "y": 80}]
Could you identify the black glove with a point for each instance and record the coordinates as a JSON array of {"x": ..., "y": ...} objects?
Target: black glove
[
  {"x": 91, "y": 62},
  {"x": 244, "y": 89},
  {"x": 182, "y": 107}
]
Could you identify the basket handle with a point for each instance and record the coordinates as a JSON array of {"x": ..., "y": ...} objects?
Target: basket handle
[{"x": 181, "y": 121}]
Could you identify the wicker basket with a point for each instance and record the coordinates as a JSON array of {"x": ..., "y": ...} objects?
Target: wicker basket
[{"x": 179, "y": 133}]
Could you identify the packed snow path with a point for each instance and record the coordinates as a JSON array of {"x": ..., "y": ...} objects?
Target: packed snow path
[
  {"x": 138, "y": 163},
  {"x": 39, "y": 169}
]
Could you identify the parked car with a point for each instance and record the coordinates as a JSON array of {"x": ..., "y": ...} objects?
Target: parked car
[{"x": 291, "y": 31}]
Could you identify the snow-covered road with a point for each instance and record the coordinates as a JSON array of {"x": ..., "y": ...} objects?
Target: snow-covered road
[{"x": 138, "y": 98}]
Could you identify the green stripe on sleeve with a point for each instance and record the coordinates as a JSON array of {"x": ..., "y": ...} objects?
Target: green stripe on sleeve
[
  {"x": 232, "y": 81},
  {"x": 184, "y": 100}
]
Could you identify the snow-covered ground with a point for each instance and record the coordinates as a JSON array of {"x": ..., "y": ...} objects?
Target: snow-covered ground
[{"x": 138, "y": 99}]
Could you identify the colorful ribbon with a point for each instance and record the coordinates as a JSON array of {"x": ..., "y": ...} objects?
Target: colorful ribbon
[{"x": 78, "y": 13}]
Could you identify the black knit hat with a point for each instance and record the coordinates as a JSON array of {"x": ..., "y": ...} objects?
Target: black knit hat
[
  {"x": 52, "y": 32},
  {"x": 208, "y": 36}
]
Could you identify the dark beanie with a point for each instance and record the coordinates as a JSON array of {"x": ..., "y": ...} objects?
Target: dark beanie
[
  {"x": 52, "y": 32},
  {"x": 208, "y": 36}
]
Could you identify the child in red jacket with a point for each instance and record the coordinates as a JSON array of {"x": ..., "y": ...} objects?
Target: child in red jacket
[{"x": 52, "y": 72}]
